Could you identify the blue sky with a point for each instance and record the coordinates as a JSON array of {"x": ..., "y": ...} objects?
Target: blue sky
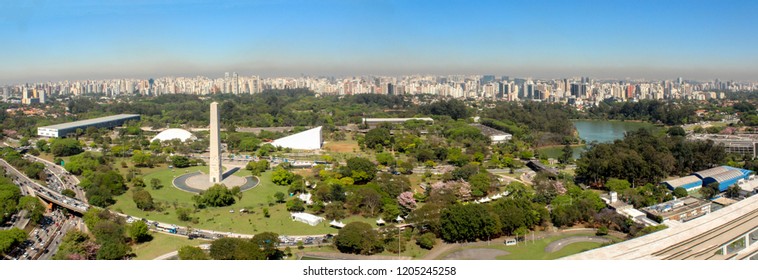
[{"x": 53, "y": 40}]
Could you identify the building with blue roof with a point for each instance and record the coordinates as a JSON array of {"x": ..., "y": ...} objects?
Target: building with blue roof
[
  {"x": 725, "y": 176},
  {"x": 689, "y": 183},
  {"x": 727, "y": 179}
]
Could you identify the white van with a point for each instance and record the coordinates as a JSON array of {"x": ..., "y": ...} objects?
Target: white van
[{"x": 510, "y": 242}]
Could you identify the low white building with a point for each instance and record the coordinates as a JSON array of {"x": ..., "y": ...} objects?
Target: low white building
[
  {"x": 495, "y": 135},
  {"x": 306, "y": 218}
]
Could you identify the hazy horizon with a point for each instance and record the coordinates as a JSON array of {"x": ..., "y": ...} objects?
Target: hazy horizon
[{"x": 654, "y": 40}]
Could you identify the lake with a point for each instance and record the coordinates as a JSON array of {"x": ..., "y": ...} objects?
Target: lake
[
  {"x": 595, "y": 130},
  {"x": 606, "y": 131}
]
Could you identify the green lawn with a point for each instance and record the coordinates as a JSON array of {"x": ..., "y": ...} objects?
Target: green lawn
[
  {"x": 536, "y": 251},
  {"x": 162, "y": 244},
  {"x": 219, "y": 218}
]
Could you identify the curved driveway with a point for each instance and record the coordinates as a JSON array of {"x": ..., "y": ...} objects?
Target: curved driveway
[{"x": 181, "y": 182}]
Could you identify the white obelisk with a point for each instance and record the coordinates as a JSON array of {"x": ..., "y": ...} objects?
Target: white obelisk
[{"x": 215, "y": 161}]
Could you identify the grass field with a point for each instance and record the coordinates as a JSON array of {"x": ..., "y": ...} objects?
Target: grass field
[
  {"x": 162, "y": 244},
  {"x": 220, "y": 218},
  {"x": 345, "y": 146},
  {"x": 535, "y": 251}
]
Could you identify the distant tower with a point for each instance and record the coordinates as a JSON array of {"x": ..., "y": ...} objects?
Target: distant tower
[
  {"x": 215, "y": 165},
  {"x": 25, "y": 96},
  {"x": 42, "y": 96}
]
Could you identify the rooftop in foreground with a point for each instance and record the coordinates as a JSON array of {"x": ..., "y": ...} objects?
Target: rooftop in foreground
[{"x": 696, "y": 239}]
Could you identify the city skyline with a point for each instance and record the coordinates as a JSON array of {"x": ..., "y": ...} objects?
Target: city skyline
[{"x": 85, "y": 40}]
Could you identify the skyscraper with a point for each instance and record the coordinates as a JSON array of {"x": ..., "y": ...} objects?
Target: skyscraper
[
  {"x": 215, "y": 161},
  {"x": 25, "y": 96}
]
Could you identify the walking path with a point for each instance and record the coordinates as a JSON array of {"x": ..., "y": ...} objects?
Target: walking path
[{"x": 559, "y": 244}]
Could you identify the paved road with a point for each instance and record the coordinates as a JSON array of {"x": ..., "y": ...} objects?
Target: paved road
[{"x": 61, "y": 178}]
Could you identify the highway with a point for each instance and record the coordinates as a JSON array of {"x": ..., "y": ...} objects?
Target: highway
[
  {"x": 44, "y": 192},
  {"x": 60, "y": 179}
]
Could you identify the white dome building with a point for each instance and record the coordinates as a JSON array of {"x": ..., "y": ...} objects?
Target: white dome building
[{"x": 174, "y": 133}]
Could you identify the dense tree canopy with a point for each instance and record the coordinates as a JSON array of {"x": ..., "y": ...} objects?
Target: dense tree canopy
[
  {"x": 358, "y": 238},
  {"x": 469, "y": 222},
  {"x": 61, "y": 147},
  {"x": 10, "y": 238},
  {"x": 216, "y": 196},
  {"x": 642, "y": 157}
]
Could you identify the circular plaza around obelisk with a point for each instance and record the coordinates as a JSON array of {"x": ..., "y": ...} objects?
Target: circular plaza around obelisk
[{"x": 197, "y": 182}]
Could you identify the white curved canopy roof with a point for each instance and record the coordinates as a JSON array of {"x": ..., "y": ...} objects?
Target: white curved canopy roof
[
  {"x": 306, "y": 140},
  {"x": 173, "y": 133}
]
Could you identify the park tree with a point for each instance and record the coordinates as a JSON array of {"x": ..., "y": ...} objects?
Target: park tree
[
  {"x": 385, "y": 159},
  {"x": 453, "y": 108},
  {"x": 10, "y": 238},
  {"x": 710, "y": 190},
  {"x": 480, "y": 184},
  {"x": 358, "y": 238},
  {"x": 143, "y": 199},
  {"x": 155, "y": 183},
  {"x": 235, "y": 249},
  {"x": 9, "y": 196},
  {"x": 138, "y": 231},
  {"x": 427, "y": 217},
  {"x": 390, "y": 211},
  {"x": 142, "y": 159},
  {"x": 295, "y": 205},
  {"x": 566, "y": 154},
  {"x": 268, "y": 242},
  {"x": 377, "y": 138},
  {"x": 184, "y": 214},
  {"x": 138, "y": 182},
  {"x": 426, "y": 240},
  {"x": 63, "y": 147},
  {"x": 392, "y": 185},
  {"x": 180, "y": 161},
  {"x": 68, "y": 193},
  {"x": 617, "y": 185},
  {"x": 192, "y": 253},
  {"x": 335, "y": 211},
  {"x": 360, "y": 169},
  {"x": 406, "y": 200},
  {"x": 76, "y": 245},
  {"x": 468, "y": 222},
  {"x": 42, "y": 145},
  {"x": 280, "y": 197},
  {"x": 282, "y": 177},
  {"x": 266, "y": 150},
  {"x": 680, "y": 192},
  {"x": 257, "y": 167},
  {"x": 216, "y": 196},
  {"x": 34, "y": 207},
  {"x": 676, "y": 131},
  {"x": 733, "y": 191}
]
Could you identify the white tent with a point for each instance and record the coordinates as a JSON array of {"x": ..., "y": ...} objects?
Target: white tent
[
  {"x": 306, "y": 218},
  {"x": 306, "y": 197},
  {"x": 399, "y": 219},
  {"x": 337, "y": 224},
  {"x": 174, "y": 133},
  {"x": 306, "y": 140},
  {"x": 380, "y": 221}
]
